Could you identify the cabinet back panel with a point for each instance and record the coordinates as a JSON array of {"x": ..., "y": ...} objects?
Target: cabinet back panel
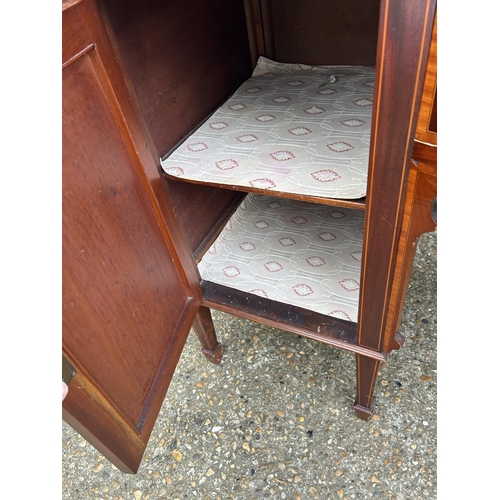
[{"x": 323, "y": 32}]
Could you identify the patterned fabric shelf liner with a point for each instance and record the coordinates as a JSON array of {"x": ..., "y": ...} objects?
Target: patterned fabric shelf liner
[
  {"x": 294, "y": 252},
  {"x": 290, "y": 128}
]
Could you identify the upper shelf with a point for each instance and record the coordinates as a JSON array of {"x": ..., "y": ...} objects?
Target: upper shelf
[{"x": 291, "y": 130}]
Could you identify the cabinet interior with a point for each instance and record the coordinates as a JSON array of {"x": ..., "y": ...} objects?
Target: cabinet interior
[
  {"x": 135, "y": 232},
  {"x": 185, "y": 62}
]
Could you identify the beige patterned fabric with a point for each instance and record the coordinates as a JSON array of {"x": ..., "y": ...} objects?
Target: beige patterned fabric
[
  {"x": 291, "y": 128},
  {"x": 294, "y": 252}
]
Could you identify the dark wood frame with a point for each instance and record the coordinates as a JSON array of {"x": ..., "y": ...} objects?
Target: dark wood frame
[{"x": 401, "y": 188}]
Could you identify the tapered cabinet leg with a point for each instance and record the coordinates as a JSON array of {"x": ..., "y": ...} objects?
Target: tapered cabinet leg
[
  {"x": 366, "y": 373},
  {"x": 204, "y": 328}
]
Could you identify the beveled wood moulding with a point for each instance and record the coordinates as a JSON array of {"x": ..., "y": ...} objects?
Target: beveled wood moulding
[{"x": 293, "y": 319}]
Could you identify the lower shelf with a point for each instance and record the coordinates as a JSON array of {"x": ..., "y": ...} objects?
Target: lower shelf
[
  {"x": 293, "y": 252},
  {"x": 309, "y": 324}
]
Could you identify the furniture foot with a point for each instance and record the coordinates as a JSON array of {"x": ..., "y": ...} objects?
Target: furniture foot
[
  {"x": 363, "y": 412},
  {"x": 397, "y": 342},
  {"x": 366, "y": 372},
  {"x": 205, "y": 330},
  {"x": 214, "y": 356}
]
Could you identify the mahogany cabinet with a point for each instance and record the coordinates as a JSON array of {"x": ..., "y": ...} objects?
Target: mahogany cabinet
[{"x": 138, "y": 77}]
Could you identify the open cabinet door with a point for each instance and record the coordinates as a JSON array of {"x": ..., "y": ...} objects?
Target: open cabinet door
[{"x": 130, "y": 288}]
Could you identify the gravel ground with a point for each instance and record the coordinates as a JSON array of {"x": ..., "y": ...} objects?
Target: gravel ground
[{"x": 275, "y": 419}]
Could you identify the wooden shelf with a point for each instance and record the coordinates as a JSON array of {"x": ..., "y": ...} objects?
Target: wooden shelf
[
  {"x": 291, "y": 130},
  {"x": 293, "y": 319},
  {"x": 293, "y": 252}
]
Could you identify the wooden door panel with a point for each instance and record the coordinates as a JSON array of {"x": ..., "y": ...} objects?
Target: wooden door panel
[{"x": 128, "y": 304}]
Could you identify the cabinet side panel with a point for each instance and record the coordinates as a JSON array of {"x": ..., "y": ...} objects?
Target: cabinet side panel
[
  {"x": 427, "y": 117},
  {"x": 404, "y": 40},
  {"x": 181, "y": 60}
]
